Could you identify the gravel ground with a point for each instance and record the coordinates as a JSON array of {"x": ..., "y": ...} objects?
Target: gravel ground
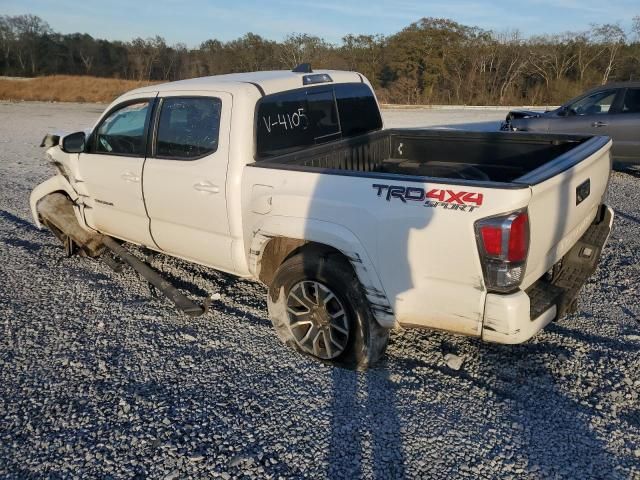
[{"x": 99, "y": 378}]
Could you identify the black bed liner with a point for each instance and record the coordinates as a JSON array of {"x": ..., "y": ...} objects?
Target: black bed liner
[{"x": 493, "y": 159}]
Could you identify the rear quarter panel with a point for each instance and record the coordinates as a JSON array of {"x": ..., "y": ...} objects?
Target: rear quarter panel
[{"x": 424, "y": 256}]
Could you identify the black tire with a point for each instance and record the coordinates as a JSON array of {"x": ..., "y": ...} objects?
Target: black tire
[{"x": 367, "y": 340}]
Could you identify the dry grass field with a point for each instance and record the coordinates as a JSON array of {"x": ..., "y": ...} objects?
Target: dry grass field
[{"x": 66, "y": 88}]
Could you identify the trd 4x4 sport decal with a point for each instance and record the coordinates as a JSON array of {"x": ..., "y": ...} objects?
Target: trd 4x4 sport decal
[{"x": 448, "y": 199}]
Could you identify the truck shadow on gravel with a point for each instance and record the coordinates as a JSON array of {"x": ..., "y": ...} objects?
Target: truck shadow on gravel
[
  {"x": 628, "y": 217},
  {"x": 19, "y": 222},
  {"x": 540, "y": 429},
  {"x": 207, "y": 283},
  {"x": 556, "y": 433},
  {"x": 365, "y": 439},
  {"x": 591, "y": 339},
  {"x": 30, "y": 247}
]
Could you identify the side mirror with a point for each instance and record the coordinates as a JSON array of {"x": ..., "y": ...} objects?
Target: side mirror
[
  {"x": 562, "y": 111},
  {"x": 73, "y": 143}
]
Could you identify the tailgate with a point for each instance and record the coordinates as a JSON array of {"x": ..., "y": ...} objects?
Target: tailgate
[{"x": 565, "y": 196}]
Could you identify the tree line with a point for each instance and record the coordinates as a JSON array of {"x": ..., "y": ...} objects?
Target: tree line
[{"x": 432, "y": 61}]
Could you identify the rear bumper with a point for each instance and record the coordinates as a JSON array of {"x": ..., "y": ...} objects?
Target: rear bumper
[{"x": 518, "y": 316}]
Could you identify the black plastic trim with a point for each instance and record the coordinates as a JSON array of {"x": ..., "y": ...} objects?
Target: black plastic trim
[
  {"x": 388, "y": 176},
  {"x": 303, "y": 68},
  {"x": 154, "y": 129},
  {"x": 564, "y": 162},
  {"x": 155, "y": 115}
]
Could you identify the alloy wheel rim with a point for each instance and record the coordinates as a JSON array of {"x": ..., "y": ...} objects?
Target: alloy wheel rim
[{"x": 317, "y": 319}]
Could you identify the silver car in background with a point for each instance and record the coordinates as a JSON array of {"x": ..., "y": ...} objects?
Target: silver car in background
[{"x": 612, "y": 110}]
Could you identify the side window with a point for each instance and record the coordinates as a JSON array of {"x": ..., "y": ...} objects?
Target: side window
[
  {"x": 122, "y": 132},
  {"x": 188, "y": 128},
  {"x": 631, "y": 103},
  {"x": 595, "y": 104},
  {"x": 359, "y": 111}
]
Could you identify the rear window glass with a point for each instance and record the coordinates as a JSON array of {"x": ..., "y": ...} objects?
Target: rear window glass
[
  {"x": 188, "y": 128},
  {"x": 301, "y": 118},
  {"x": 358, "y": 109}
]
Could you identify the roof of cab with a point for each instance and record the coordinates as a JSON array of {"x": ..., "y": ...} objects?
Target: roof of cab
[{"x": 272, "y": 81}]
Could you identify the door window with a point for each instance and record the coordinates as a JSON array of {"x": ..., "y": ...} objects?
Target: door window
[
  {"x": 631, "y": 103},
  {"x": 123, "y": 131},
  {"x": 595, "y": 104},
  {"x": 188, "y": 128}
]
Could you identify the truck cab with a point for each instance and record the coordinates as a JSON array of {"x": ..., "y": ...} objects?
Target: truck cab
[{"x": 290, "y": 178}]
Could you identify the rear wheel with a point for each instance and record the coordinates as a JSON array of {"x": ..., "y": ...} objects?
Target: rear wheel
[
  {"x": 317, "y": 306},
  {"x": 318, "y": 320}
]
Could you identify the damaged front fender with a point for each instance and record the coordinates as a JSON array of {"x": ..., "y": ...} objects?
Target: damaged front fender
[{"x": 55, "y": 184}]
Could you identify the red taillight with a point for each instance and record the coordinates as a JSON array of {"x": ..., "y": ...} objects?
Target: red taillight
[
  {"x": 503, "y": 244},
  {"x": 512, "y": 230},
  {"x": 492, "y": 240},
  {"x": 519, "y": 238}
]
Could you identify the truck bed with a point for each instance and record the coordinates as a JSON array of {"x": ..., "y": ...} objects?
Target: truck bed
[{"x": 459, "y": 156}]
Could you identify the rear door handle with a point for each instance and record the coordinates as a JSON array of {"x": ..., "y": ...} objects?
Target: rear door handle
[
  {"x": 206, "y": 187},
  {"x": 130, "y": 177},
  {"x": 599, "y": 124}
]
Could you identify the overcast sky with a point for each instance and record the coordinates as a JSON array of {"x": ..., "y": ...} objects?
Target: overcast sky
[{"x": 192, "y": 22}]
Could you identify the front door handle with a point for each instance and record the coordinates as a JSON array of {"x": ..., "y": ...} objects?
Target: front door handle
[
  {"x": 599, "y": 124},
  {"x": 206, "y": 187},
  {"x": 130, "y": 177}
]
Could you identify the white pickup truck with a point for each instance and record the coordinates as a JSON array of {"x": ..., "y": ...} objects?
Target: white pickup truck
[{"x": 288, "y": 177}]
